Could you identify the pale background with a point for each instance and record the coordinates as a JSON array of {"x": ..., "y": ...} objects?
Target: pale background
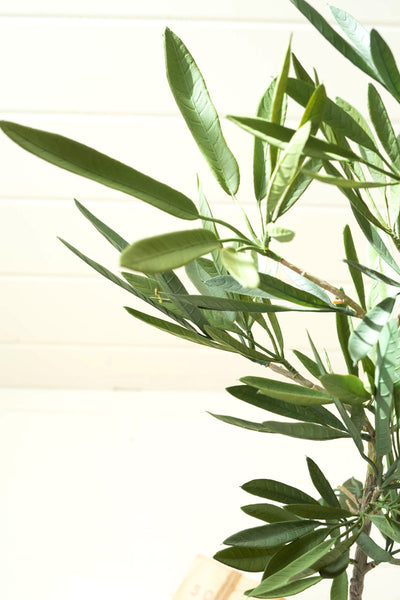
[{"x": 112, "y": 475}]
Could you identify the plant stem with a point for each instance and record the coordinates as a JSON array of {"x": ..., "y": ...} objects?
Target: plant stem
[
  {"x": 361, "y": 565},
  {"x": 360, "y": 312}
]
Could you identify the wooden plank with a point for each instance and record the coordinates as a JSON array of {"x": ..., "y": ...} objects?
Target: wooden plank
[
  {"x": 117, "y": 66},
  {"x": 267, "y": 10},
  {"x": 96, "y": 367},
  {"x": 207, "y": 579}
]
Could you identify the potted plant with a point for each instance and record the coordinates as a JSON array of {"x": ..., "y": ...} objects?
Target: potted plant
[{"x": 240, "y": 294}]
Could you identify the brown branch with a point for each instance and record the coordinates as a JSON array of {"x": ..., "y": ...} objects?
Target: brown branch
[{"x": 338, "y": 293}]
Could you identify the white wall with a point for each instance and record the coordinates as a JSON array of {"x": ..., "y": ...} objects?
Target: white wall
[
  {"x": 94, "y": 71},
  {"x": 89, "y": 477}
]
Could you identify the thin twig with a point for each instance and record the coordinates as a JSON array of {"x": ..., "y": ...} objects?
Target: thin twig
[{"x": 338, "y": 293}]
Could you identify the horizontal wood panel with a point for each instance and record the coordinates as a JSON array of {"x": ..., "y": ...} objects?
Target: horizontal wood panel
[
  {"x": 87, "y": 312},
  {"x": 117, "y": 66},
  {"x": 125, "y": 368},
  {"x": 269, "y": 10},
  {"x": 29, "y": 230}
]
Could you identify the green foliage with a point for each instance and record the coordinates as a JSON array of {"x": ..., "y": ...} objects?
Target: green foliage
[{"x": 241, "y": 289}]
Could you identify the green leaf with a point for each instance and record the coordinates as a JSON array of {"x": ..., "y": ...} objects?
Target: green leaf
[
  {"x": 304, "y": 431},
  {"x": 311, "y": 414},
  {"x": 333, "y": 37},
  {"x": 348, "y": 388},
  {"x": 168, "y": 251},
  {"x": 286, "y": 168},
  {"x": 269, "y": 513},
  {"x": 308, "y": 363},
  {"x": 337, "y": 559},
  {"x": 126, "y": 286},
  {"x": 284, "y": 291},
  {"x": 227, "y": 340},
  {"x": 226, "y": 304},
  {"x": 351, "y": 255},
  {"x": 280, "y": 234},
  {"x": 116, "y": 240},
  {"x": 339, "y": 589},
  {"x": 372, "y": 273},
  {"x": 241, "y": 265},
  {"x": 315, "y": 108},
  {"x": 192, "y": 97},
  {"x": 385, "y": 63},
  {"x": 314, "y": 511},
  {"x": 321, "y": 483},
  {"x": 333, "y": 115},
  {"x": 259, "y": 154},
  {"x": 297, "y": 187},
  {"x": 317, "y": 357},
  {"x": 300, "y": 564},
  {"x": 343, "y": 333},
  {"x": 89, "y": 163},
  {"x": 172, "y": 285},
  {"x": 386, "y": 527},
  {"x": 290, "y": 589},
  {"x": 371, "y": 549},
  {"x": 343, "y": 182},
  {"x": 268, "y": 536},
  {"x": 366, "y": 334},
  {"x": 173, "y": 329},
  {"x": 278, "y": 101},
  {"x": 295, "y": 549},
  {"x": 383, "y": 127},
  {"x": 280, "y": 136},
  {"x": 374, "y": 238},
  {"x": 205, "y": 211},
  {"x": 251, "y": 425},
  {"x": 385, "y": 373},
  {"x": 289, "y": 392},
  {"x": 277, "y": 491},
  {"x": 301, "y": 73},
  {"x": 357, "y": 34},
  {"x": 252, "y": 560}
]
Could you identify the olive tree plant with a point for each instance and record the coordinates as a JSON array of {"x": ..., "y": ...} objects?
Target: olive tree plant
[{"x": 303, "y": 539}]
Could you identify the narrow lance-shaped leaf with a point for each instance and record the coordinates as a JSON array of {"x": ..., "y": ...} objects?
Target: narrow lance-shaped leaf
[
  {"x": 332, "y": 114},
  {"x": 289, "y": 589},
  {"x": 371, "y": 549},
  {"x": 173, "y": 329},
  {"x": 343, "y": 333},
  {"x": 274, "y": 534},
  {"x": 304, "y": 431},
  {"x": 194, "y": 102},
  {"x": 253, "y": 560},
  {"x": 387, "y": 356},
  {"x": 260, "y": 172},
  {"x": 357, "y": 34},
  {"x": 310, "y": 414},
  {"x": 385, "y": 63},
  {"x": 321, "y": 483},
  {"x": 334, "y": 38},
  {"x": 277, "y": 105},
  {"x": 339, "y": 589},
  {"x": 277, "y": 491},
  {"x": 366, "y": 334},
  {"x": 351, "y": 255},
  {"x": 269, "y": 512},
  {"x": 297, "y": 566},
  {"x": 111, "y": 236},
  {"x": 286, "y": 168},
  {"x": 383, "y": 126},
  {"x": 82, "y": 160},
  {"x": 280, "y": 136},
  {"x": 373, "y": 273},
  {"x": 343, "y": 182},
  {"x": 205, "y": 211},
  {"x": 289, "y": 392},
  {"x": 284, "y": 556},
  {"x": 168, "y": 251}
]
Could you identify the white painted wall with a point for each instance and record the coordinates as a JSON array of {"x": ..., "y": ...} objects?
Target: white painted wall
[{"x": 88, "y": 477}]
